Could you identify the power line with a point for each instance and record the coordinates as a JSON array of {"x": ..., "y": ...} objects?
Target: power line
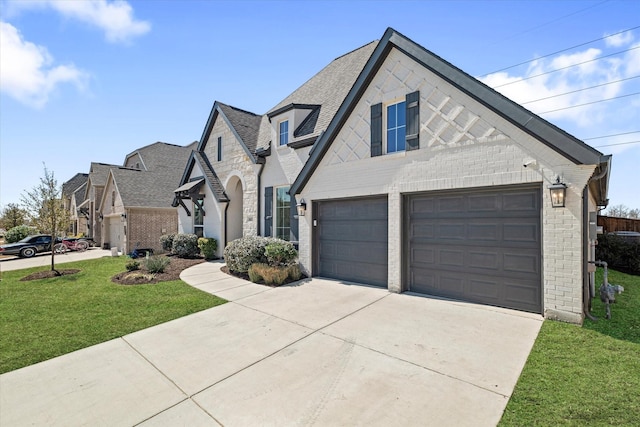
[
  {"x": 619, "y": 143},
  {"x": 579, "y": 90},
  {"x": 553, "y": 21},
  {"x": 609, "y": 136},
  {"x": 560, "y": 51},
  {"x": 564, "y": 68},
  {"x": 589, "y": 103}
]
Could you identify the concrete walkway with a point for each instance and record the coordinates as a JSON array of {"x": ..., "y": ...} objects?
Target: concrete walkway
[{"x": 319, "y": 352}]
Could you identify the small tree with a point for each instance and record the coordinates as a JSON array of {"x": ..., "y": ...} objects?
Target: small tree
[
  {"x": 45, "y": 209},
  {"x": 12, "y": 216}
]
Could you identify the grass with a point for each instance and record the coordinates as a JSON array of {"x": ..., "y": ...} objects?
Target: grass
[
  {"x": 584, "y": 376},
  {"x": 42, "y": 319}
]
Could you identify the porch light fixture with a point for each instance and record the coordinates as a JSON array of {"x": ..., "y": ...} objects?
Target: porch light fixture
[
  {"x": 123, "y": 216},
  {"x": 558, "y": 192},
  {"x": 302, "y": 207},
  {"x": 100, "y": 217}
]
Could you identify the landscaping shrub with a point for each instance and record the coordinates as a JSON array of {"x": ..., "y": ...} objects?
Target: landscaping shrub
[
  {"x": 18, "y": 233},
  {"x": 185, "y": 245},
  {"x": 254, "y": 275},
  {"x": 132, "y": 265},
  {"x": 619, "y": 253},
  {"x": 280, "y": 252},
  {"x": 166, "y": 240},
  {"x": 270, "y": 274},
  {"x": 208, "y": 247},
  {"x": 156, "y": 264},
  {"x": 241, "y": 253},
  {"x": 294, "y": 272}
]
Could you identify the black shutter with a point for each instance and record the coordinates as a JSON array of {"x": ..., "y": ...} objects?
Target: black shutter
[
  {"x": 413, "y": 121},
  {"x": 268, "y": 211},
  {"x": 219, "y": 148},
  {"x": 293, "y": 221},
  {"x": 376, "y": 130}
]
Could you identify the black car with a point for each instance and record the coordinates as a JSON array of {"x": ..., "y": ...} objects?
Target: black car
[{"x": 28, "y": 247}]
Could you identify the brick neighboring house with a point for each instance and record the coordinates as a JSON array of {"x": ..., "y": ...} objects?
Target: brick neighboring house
[
  {"x": 411, "y": 175},
  {"x": 73, "y": 196},
  {"x": 130, "y": 203}
]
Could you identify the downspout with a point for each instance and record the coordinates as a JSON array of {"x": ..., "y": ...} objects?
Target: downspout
[
  {"x": 588, "y": 283},
  {"x": 225, "y": 224},
  {"x": 259, "y": 215}
]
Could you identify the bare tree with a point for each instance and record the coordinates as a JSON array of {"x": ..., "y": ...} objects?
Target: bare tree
[
  {"x": 12, "y": 216},
  {"x": 634, "y": 213},
  {"x": 45, "y": 209},
  {"x": 619, "y": 211}
]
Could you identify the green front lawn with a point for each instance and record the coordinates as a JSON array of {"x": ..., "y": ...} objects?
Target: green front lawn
[
  {"x": 42, "y": 319},
  {"x": 584, "y": 376}
]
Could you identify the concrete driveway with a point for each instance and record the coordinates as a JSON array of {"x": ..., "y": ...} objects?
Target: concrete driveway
[{"x": 319, "y": 352}]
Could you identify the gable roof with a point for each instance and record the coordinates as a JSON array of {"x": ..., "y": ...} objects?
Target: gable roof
[
  {"x": 323, "y": 93},
  {"x": 212, "y": 180},
  {"x": 552, "y": 136},
  {"x": 244, "y": 125},
  {"x": 73, "y": 184},
  {"x": 138, "y": 188},
  {"x": 161, "y": 155}
]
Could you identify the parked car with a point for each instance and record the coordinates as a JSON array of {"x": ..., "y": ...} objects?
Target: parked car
[{"x": 28, "y": 247}]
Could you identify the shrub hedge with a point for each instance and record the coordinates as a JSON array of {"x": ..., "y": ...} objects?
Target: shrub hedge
[
  {"x": 185, "y": 245},
  {"x": 166, "y": 240},
  {"x": 208, "y": 247},
  {"x": 241, "y": 253},
  {"x": 619, "y": 253}
]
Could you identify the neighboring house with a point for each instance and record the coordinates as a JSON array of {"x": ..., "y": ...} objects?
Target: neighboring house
[
  {"x": 410, "y": 175},
  {"x": 73, "y": 192},
  {"x": 129, "y": 205},
  {"x": 98, "y": 173}
]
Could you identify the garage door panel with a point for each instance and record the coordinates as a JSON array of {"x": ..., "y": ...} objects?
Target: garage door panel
[
  {"x": 352, "y": 240},
  {"x": 353, "y": 252},
  {"x": 484, "y": 247}
]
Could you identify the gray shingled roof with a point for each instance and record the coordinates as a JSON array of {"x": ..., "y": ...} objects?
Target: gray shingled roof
[
  {"x": 245, "y": 123},
  {"x": 328, "y": 88},
  {"x": 212, "y": 179},
  {"x": 98, "y": 173},
  {"x": 72, "y": 185},
  {"x": 148, "y": 189},
  {"x": 161, "y": 155}
]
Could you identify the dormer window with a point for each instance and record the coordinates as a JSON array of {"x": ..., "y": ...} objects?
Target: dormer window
[{"x": 283, "y": 134}]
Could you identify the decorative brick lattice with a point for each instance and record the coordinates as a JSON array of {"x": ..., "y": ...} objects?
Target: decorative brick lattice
[{"x": 444, "y": 121}]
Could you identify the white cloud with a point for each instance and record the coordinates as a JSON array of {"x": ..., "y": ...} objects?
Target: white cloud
[
  {"x": 27, "y": 72},
  {"x": 582, "y": 72},
  {"x": 115, "y": 18},
  {"x": 619, "y": 39}
]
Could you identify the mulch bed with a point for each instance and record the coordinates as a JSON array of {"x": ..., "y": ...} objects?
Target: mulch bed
[
  {"x": 142, "y": 276},
  {"x": 49, "y": 274}
]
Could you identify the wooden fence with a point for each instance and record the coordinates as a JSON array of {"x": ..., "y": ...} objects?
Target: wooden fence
[{"x": 611, "y": 223}]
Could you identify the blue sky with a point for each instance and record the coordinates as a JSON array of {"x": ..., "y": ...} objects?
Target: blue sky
[{"x": 84, "y": 81}]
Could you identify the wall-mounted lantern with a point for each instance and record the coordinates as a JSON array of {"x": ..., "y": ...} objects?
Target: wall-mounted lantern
[
  {"x": 123, "y": 217},
  {"x": 100, "y": 217},
  {"x": 302, "y": 207},
  {"x": 558, "y": 192}
]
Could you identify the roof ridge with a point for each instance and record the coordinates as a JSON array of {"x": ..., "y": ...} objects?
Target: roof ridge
[{"x": 358, "y": 48}]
